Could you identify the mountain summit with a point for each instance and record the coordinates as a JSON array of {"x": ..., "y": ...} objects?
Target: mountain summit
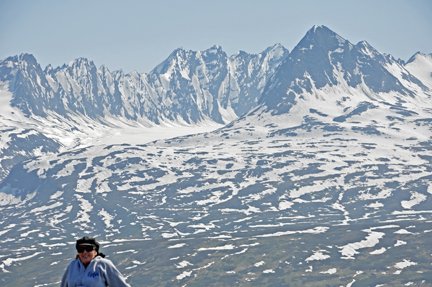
[{"x": 325, "y": 59}]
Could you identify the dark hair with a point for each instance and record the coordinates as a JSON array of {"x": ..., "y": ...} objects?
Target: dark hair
[{"x": 89, "y": 241}]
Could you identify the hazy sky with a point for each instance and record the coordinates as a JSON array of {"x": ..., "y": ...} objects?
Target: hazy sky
[{"x": 138, "y": 35}]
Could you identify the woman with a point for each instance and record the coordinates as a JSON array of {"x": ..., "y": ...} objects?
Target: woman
[{"x": 90, "y": 268}]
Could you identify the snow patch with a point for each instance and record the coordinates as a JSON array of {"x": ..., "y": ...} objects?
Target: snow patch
[
  {"x": 330, "y": 271},
  {"x": 318, "y": 255}
]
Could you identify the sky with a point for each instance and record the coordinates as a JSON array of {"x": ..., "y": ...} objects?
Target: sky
[{"x": 138, "y": 35}]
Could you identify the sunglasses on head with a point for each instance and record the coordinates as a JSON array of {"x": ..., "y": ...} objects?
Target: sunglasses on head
[{"x": 81, "y": 249}]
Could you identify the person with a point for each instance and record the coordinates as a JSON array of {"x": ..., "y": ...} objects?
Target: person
[{"x": 90, "y": 268}]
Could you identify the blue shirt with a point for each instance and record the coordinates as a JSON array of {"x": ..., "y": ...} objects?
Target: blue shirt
[{"x": 100, "y": 272}]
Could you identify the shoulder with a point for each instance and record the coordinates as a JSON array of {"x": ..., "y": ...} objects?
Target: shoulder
[
  {"x": 75, "y": 262},
  {"x": 102, "y": 261},
  {"x": 74, "y": 265}
]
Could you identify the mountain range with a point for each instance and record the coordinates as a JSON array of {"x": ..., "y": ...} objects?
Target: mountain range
[{"x": 317, "y": 170}]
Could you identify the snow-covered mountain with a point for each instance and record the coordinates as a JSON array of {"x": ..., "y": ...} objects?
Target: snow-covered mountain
[
  {"x": 188, "y": 87},
  {"x": 324, "y": 63},
  {"x": 323, "y": 176},
  {"x": 66, "y": 106}
]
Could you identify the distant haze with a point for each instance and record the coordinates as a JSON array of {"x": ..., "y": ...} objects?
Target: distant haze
[{"x": 138, "y": 35}]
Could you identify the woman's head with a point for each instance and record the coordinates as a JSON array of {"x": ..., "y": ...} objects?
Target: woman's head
[{"x": 88, "y": 249}]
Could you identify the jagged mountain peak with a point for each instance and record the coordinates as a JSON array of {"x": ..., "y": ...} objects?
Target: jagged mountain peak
[
  {"x": 23, "y": 60},
  {"x": 315, "y": 47},
  {"x": 78, "y": 68},
  {"x": 320, "y": 35},
  {"x": 176, "y": 56},
  {"x": 48, "y": 69},
  {"x": 214, "y": 49},
  {"x": 416, "y": 56},
  {"x": 118, "y": 73},
  {"x": 24, "y": 63},
  {"x": 318, "y": 29},
  {"x": 81, "y": 63},
  {"x": 240, "y": 53},
  {"x": 186, "y": 61},
  {"x": 29, "y": 58},
  {"x": 214, "y": 53},
  {"x": 420, "y": 66},
  {"x": 177, "y": 52},
  {"x": 276, "y": 51},
  {"x": 182, "y": 53},
  {"x": 364, "y": 45},
  {"x": 134, "y": 74},
  {"x": 365, "y": 48},
  {"x": 313, "y": 55},
  {"x": 325, "y": 59},
  {"x": 104, "y": 69},
  {"x": 277, "y": 46}
]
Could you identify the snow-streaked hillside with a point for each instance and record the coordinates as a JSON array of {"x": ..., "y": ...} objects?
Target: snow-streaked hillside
[
  {"x": 325, "y": 180},
  {"x": 223, "y": 197}
]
